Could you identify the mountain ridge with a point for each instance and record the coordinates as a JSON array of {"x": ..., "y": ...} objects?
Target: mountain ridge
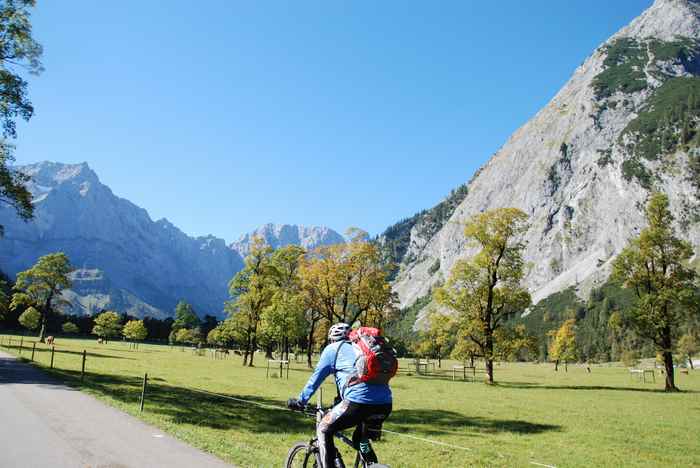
[{"x": 125, "y": 260}]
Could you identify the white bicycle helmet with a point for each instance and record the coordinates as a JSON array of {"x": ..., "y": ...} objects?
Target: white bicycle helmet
[{"x": 338, "y": 332}]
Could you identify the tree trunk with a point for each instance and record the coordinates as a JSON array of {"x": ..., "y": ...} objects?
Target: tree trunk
[
  {"x": 439, "y": 359},
  {"x": 556, "y": 365},
  {"x": 246, "y": 351},
  {"x": 310, "y": 344},
  {"x": 566, "y": 366},
  {"x": 44, "y": 317},
  {"x": 670, "y": 377},
  {"x": 488, "y": 356},
  {"x": 489, "y": 371},
  {"x": 268, "y": 352},
  {"x": 668, "y": 361},
  {"x": 690, "y": 361},
  {"x": 42, "y": 331},
  {"x": 253, "y": 347}
]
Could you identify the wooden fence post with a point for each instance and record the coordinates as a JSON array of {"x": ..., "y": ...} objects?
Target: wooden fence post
[
  {"x": 33, "y": 349},
  {"x": 82, "y": 370},
  {"x": 53, "y": 348},
  {"x": 143, "y": 391}
]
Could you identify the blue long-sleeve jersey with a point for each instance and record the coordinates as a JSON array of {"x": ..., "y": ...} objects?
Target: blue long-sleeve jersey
[{"x": 369, "y": 394}]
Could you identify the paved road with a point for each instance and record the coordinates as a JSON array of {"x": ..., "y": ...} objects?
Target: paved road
[{"x": 46, "y": 424}]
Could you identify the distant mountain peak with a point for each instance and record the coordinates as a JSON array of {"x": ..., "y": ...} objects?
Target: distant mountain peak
[
  {"x": 51, "y": 174},
  {"x": 280, "y": 235}
]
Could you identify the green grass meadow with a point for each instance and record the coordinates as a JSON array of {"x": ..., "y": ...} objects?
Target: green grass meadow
[{"x": 532, "y": 415}]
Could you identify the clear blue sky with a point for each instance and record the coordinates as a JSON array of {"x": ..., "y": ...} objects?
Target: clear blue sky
[{"x": 337, "y": 113}]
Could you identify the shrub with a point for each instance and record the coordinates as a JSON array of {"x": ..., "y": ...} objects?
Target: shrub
[
  {"x": 70, "y": 328},
  {"x": 668, "y": 121},
  {"x": 633, "y": 169},
  {"x": 624, "y": 69}
]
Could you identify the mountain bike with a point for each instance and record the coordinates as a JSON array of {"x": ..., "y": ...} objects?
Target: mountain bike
[{"x": 307, "y": 455}]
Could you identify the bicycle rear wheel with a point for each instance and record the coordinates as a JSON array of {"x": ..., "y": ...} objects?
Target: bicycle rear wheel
[{"x": 302, "y": 455}]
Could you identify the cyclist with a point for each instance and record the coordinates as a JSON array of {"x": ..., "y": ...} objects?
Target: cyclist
[{"x": 363, "y": 405}]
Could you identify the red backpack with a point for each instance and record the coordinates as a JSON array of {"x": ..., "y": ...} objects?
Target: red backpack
[{"x": 377, "y": 362}]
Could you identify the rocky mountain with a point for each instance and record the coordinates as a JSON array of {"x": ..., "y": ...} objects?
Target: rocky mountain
[
  {"x": 280, "y": 235},
  {"x": 125, "y": 261},
  {"x": 626, "y": 123}
]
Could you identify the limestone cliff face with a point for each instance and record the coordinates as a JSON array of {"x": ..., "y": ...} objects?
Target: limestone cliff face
[{"x": 583, "y": 167}]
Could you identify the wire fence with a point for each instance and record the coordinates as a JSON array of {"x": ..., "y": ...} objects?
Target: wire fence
[
  {"x": 70, "y": 360},
  {"x": 386, "y": 431}
]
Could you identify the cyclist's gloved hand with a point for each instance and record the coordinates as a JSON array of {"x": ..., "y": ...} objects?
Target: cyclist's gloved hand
[{"x": 295, "y": 405}]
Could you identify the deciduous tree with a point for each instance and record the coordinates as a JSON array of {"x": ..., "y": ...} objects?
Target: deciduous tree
[
  {"x": 513, "y": 343},
  {"x": 41, "y": 286},
  {"x": 283, "y": 319},
  {"x": 185, "y": 316},
  {"x": 19, "y": 54},
  {"x": 688, "y": 347},
  {"x": 251, "y": 291},
  {"x": 135, "y": 330},
  {"x": 107, "y": 325},
  {"x": 347, "y": 282},
  {"x": 185, "y": 335},
  {"x": 5, "y": 294},
  {"x": 224, "y": 334},
  {"x": 436, "y": 339},
  {"x": 655, "y": 266},
  {"x": 485, "y": 290},
  {"x": 563, "y": 344},
  {"x": 70, "y": 328}
]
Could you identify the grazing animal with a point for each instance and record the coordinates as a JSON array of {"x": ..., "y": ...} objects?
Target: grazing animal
[
  {"x": 100, "y": 341},
  {"x": 49, "y": 340},
  {"x": 222, "y": 350}
]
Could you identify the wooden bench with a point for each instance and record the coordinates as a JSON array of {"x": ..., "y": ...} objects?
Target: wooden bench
[
  {"x": 463, "y": 368},
  {"x": 423, "y": 364},
  {"x": 641, "y": 374}
]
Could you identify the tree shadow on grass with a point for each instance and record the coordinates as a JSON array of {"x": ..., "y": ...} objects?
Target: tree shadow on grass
[
  {"x": 538, "y": 386},
  {"x": 91, "y": 354},
  {"x": 448, "y": 378},
  {"x": 438, "y": 422},
  {"x": 188, "y": 406},
  {"x": 527, "y": 385}
]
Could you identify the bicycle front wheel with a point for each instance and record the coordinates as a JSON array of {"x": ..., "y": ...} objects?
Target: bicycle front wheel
[{"x": 302, "y": 455}]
